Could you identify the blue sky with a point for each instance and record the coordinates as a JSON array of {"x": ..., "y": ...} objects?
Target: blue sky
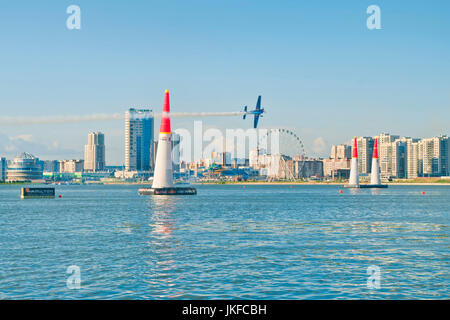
[{"x": 318, "y": 68}]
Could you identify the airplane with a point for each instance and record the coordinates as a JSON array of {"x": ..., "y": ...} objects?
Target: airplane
[{"x": 257, "y": 112}]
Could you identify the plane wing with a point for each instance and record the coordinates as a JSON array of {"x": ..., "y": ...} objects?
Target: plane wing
[
  {"x": 258, "y": 103},
  {"x": 255, "y": 121}
]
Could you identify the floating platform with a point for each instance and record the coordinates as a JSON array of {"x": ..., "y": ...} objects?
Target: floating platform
[
  {"x": 370, "y": 186},
  {"x": 351, "y": 186},
  {"x": 365, "y": 186},
  {"x": 37, "y": 193},
  {"x": 174, "y": 191}
]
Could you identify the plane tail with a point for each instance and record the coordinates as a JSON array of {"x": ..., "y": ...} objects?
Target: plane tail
[{"x": 245, "y": 114}]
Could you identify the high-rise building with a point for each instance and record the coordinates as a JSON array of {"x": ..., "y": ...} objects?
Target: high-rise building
[
  {"x": 365, "y": 150},
  {"x": 426, "y": 156},
  {"x": 94, "y": 152},
  {"x": 139, "y": 140},
  {"x": 399, "y": 158},
  {"x": 443, "y": 155},
  {"x": 434, "y": 156},
  {"x": 385, "y": 154},
  {"x": 3, "y": 167},
  {"x": 412, "y": 158},
  {"x": 341, "y": 151}
]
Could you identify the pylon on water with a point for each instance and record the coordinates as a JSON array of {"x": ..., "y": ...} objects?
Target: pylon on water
[
  {"x": 353, "y": 182},
  {"x": 163, "y": 174},
  {"x": 375, "y": 173},
  {"x": 375, "y": 181}
]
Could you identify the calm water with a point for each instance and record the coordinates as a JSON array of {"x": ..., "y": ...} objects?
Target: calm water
[{"x": 262, "y": 242}]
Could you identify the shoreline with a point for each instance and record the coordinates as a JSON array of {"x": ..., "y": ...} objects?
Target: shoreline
[
  {"x": 245, "y": 184},
  {"x": 323, "y": 184}
]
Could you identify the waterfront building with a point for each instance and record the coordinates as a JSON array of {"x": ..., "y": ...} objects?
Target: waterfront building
[
  {"x": 385, "y": 149},
  {"x": 341, "y": 174},
  {"x": 412, "y": 159},
  {"x": 258, "y": 159},
  {"x": 338, "y": 165},
  {"x": 399, "y": 158},
  {"x": 404, "y": 158},
  {"x": 51, "y": 166},
  {"x": 3, "y": 167},
  {"x": 220, "y": 158},
  {"x": 331, "y": 166},
  {"x": 139, "y": 144},
  {"x": 71, "y": 166},
  {"x": 308, "y": 168},
  {"x": 126, "y": 174},
  {"x": 393, "y": 156},
  {"x": 279, "y": 167},
  {"x": 94, "y": 152},
  {"x": 442, "y": 152},
  {"x": 24, "y": 167},
  {"x": 434, "y": 156}
]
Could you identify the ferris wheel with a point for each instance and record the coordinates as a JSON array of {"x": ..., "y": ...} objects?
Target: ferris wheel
[{"x": 287, "y": 145}]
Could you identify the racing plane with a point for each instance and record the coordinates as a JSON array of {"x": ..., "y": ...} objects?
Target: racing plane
[{"x": 257, "y": 112}]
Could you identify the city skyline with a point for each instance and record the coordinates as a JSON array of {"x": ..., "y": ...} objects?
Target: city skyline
[
  {"x": 318, "y": 64},
  {"x": 400, "y": 156}
]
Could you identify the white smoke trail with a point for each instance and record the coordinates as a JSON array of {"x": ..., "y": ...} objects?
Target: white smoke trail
[
  {"x": 19, "y": 121},
  {"x": 202, "y": 114}
]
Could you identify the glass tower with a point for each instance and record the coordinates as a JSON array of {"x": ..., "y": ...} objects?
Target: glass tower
[{"x": 139, "y": 150}]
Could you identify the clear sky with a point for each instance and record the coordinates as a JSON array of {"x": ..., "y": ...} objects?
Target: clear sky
[{"x": 320, "y": 71}]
